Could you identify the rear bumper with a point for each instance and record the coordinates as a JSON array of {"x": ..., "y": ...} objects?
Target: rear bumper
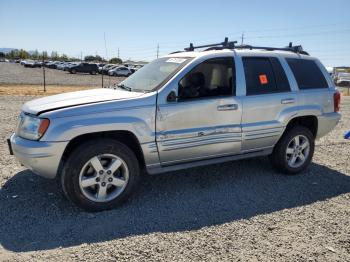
[
  {"x": 326, "y": 123},
  {"x": 43, "y": 158}
]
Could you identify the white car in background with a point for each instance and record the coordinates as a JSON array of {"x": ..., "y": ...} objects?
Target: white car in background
[
  {"x": 343, "y": 79},
  {"x": 120, "y": 71}
]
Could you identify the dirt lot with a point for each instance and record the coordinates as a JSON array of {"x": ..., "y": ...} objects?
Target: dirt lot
[
  {"x": 236, "y": 211},
  {"x": 16, "y": 74}
]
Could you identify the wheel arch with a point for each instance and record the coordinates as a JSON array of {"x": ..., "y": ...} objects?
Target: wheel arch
[
  {"x": 308, "y": 121},
  {"x": 123, "y": 136}
]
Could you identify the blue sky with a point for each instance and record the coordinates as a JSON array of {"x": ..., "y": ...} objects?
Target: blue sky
[{"x": 136, "y": 27}]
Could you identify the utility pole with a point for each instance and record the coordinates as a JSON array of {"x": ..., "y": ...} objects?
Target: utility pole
[
  {"x": 43, "y": 65},
  {"x": 104, "y": 37},
  {"x": 242, "y": 38},
  {"x": 81, "y": 56},
  {"x": 118, "y": 52},
  {"x": 157, "y": 50}
]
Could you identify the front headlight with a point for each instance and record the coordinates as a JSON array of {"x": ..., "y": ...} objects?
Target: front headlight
[{"x": 31, "y": 127}]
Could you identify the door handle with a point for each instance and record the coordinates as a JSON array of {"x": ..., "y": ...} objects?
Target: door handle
[
  {"x": 288, "y": 101},
  {"x": 227, "y": 107}
]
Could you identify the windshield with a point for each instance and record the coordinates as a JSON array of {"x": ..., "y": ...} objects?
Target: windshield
[{"x": 153, "y": 74}]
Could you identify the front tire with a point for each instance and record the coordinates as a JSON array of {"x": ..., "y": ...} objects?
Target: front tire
[
  {"x": 100, "y": 175},
  {"x": 294, "y": 151}
]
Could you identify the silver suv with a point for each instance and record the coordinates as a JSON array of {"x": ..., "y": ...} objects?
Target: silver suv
[{"x": 183, "y": 110}]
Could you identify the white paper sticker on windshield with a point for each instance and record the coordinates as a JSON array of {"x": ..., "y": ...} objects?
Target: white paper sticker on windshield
[{"x": 176, "y": 60}]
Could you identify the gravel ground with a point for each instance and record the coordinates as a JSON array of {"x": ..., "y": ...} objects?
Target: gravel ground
[
  {"x": 236, "y": 211},
  {"x": 11, "y": 73}
]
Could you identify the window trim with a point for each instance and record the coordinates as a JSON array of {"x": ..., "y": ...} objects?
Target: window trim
[{"x": 233, "y": 94}]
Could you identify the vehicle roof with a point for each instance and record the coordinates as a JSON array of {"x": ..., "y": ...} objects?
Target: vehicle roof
[{"x": 242, "y": 52}]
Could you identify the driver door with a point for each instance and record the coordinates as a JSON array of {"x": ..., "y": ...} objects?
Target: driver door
[{"x": 205, "y": 120}]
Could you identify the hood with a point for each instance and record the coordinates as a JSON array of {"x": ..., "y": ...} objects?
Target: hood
[{"x": 71, "y": 99}]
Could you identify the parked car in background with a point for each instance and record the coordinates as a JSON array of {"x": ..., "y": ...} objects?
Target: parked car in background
[
  {"x": 69, "y": 65},
  {"x": 61, "y": 65},
  {"x": 106, "y": 68},
  {"x": 343, "y": 79},
  {"x": 83, "y": 68},
  {"x": 120, "y": 71},
  {"x": 32, "y": 64},
  {"x": 183, "y": 110},
  {"x": 52, "y": 65}
]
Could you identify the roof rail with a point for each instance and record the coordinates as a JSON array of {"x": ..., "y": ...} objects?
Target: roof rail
[
  {"x": 232, "y": 45},
  {"x": 295, "y": 49}
]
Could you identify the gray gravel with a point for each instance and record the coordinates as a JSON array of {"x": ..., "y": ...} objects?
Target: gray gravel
[
  {"x": 17, "y": 74},
  {"x": 236, "y": 211}
]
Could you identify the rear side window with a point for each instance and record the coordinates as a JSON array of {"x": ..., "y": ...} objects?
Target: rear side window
[
  {"x": 264, "y": 75},
  {"x": 307, "y": 73}
]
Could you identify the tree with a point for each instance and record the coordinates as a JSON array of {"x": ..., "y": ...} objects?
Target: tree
[
  {"x": 116, "y": 60},
  {"x": 23, "y": 54},
  {"x": 2, "y": 54},
  {"x": 35, "y": 54},
  {"x": 64, "y": 57},
  {"x": 13, "y": 54},
  {"x": 91, "y": 58},
  {"x": 54, "y": 55}
]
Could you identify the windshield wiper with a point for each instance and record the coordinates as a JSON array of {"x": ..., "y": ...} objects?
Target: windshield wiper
[{"x": 122, "y": 86}]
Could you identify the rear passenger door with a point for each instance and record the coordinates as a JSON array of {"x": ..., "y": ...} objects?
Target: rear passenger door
[{"x": 268, "y": 95}]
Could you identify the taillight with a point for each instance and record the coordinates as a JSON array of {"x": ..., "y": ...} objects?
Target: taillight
[{"x": 336, "y": 98}]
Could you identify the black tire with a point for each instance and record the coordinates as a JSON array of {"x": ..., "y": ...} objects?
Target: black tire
[
  {"x": 93, "y": 72},
  {"x": 80, "y": 156},
  {"x": 73, "y": 71},
  {"x": 278, "y": 158}
]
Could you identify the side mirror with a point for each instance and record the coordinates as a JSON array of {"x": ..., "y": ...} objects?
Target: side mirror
[{"x": 172, "y": 97}]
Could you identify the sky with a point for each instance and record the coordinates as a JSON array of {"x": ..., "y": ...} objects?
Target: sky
[{"x": 137, "y": 27}]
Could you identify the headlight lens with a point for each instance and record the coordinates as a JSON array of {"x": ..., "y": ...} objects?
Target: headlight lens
[{"x": 31, "y": 127}]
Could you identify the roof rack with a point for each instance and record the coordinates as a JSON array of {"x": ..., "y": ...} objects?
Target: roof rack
[
  {"x": 232, "y": 45},
  {"x": 226, "y": 44}
]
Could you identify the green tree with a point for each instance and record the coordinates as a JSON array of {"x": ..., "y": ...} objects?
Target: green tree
[
  {"x": 63, "y": 57},
  {"x": 2, "y": 54},
  {"x": 23, "y": 54},
  {"x": 91, "y": 58},
  {"x": 115, "y": 60}
]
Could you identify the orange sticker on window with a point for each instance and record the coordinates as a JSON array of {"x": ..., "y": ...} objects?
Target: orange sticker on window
[{"x": 263, "y": 79}]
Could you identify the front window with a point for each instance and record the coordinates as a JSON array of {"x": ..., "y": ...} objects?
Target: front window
[{"x": 152, "y": 75}]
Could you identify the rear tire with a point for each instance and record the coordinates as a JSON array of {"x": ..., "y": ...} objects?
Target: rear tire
[
  {"x": 100, "y": 175},
  {"x": 93, "y": 73},
  {"x": 294, "y": 151}
]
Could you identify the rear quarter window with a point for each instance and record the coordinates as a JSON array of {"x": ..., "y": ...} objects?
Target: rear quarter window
[{"x": 307, "y": 73}]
